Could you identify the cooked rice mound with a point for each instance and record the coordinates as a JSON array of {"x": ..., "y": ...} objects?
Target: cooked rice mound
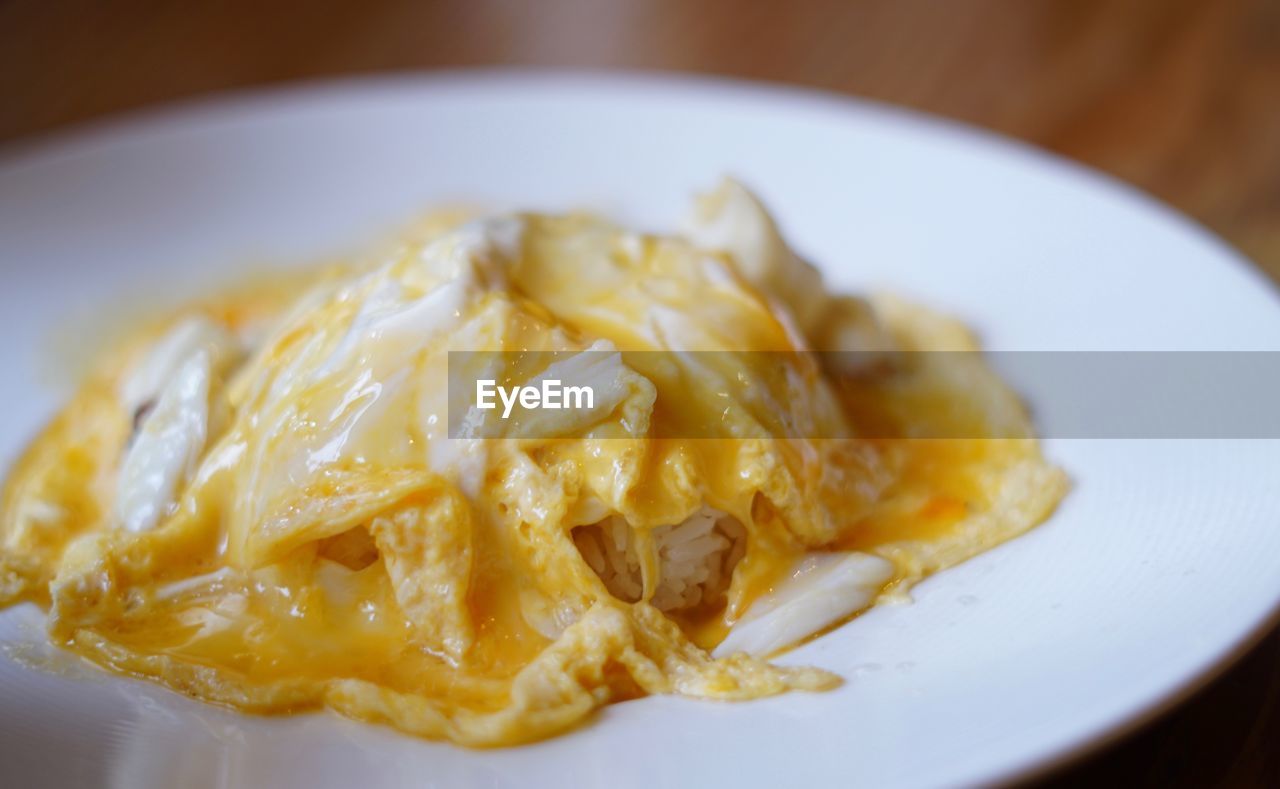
[{"x": 695, "y": 558}]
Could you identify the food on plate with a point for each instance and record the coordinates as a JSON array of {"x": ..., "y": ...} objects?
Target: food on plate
[{"x": 261, "y": 500}]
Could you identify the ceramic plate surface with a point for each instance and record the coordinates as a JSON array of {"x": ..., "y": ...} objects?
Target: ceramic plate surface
[{"x": 1161, "y": 565}]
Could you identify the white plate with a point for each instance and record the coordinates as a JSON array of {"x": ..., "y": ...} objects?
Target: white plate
[{"x": 1163, "y": 563}]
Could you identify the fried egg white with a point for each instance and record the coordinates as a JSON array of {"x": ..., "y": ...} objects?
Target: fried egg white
[{"x": 258, "y": 502}]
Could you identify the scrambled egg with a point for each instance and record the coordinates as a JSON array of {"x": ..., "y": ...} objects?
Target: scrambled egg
[{"x": 258, "y": 502}]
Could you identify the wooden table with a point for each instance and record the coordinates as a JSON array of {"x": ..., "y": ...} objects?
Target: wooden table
[{"x": 1178, "y": 97}]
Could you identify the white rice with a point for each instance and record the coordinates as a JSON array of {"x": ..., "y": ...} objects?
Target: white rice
[{"x": 695, "y": 558}]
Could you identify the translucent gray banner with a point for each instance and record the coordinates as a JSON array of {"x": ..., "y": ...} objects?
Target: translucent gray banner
[{"x": 1122, "y": 394}]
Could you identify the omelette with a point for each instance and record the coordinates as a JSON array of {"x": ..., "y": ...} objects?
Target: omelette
[{"x": 269, "y": 499}]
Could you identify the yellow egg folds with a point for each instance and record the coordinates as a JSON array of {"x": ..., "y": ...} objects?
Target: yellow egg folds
[{"x": 260, "y": 502}]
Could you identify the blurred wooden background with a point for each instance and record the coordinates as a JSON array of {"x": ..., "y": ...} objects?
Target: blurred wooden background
[{"x": 1179, "y": 97}]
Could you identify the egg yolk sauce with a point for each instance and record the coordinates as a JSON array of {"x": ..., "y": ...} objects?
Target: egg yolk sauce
[{"x": 257, "y": 502}]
